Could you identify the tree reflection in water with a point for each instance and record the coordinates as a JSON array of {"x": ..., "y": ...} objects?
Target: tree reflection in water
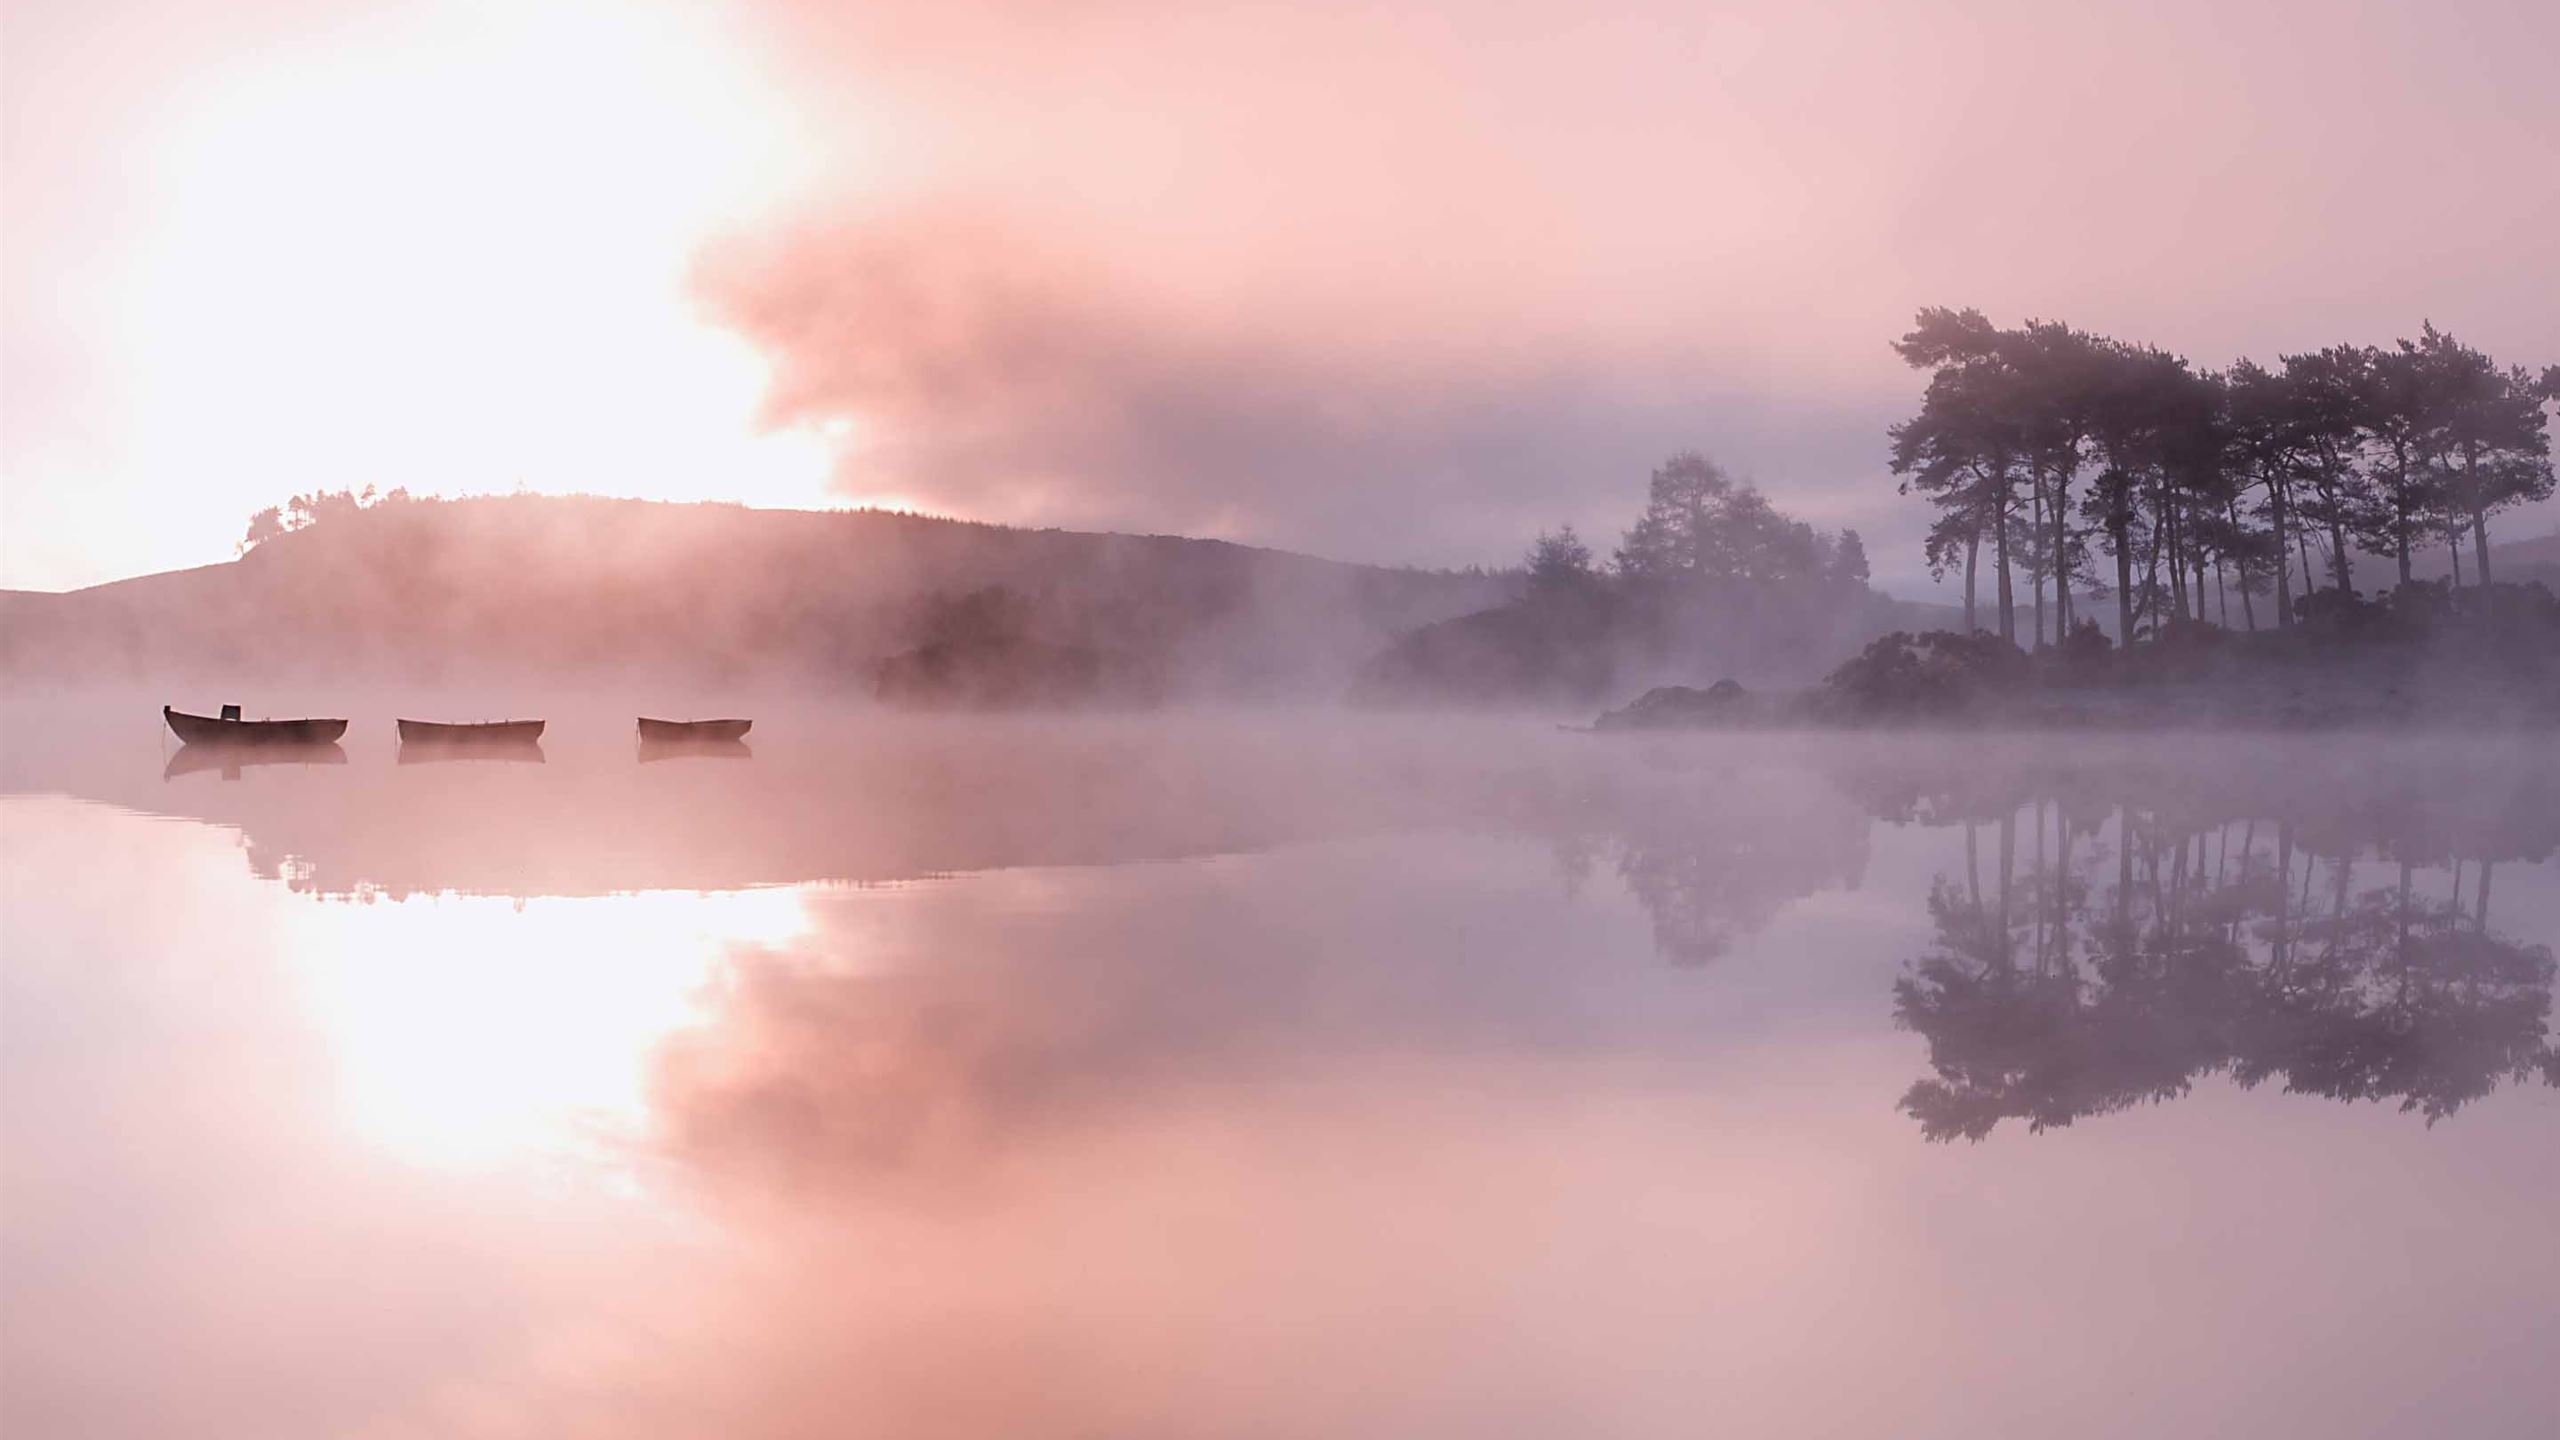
[
  {"x": 2127, "y": 916},
  {"x": 2345, "y": 947},
  {"x": 1711, "y": 852}
]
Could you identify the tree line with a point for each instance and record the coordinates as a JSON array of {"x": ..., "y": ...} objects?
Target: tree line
[
  {"x": 304, "y": 511},
  {"x": 1702, "y": 526},
  {"x": 2046, "y": 449},
  {"x": 1711, "y": 578}
]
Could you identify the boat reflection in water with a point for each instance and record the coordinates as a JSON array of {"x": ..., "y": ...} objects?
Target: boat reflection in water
[
  {"x": 437, "y": 752},
  {"x": 232, "y": 759},
  {"x": 681, "y": 749}
]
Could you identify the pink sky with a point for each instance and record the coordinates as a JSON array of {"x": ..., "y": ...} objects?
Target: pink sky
[{"x": 1398, "y": 283}]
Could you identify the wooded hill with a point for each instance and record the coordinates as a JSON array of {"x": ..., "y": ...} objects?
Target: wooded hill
[{"x": 567, "y": 587}]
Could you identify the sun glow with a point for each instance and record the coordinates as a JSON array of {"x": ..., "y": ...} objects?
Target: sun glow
[
  {"x": 445, "y": 247},
  {"x": 472, "y": 1031}
]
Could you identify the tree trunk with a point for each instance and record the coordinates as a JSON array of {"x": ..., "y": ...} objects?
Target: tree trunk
[
  {"x": 2248, "y": 862},
  {"x": 2042, "y": 889},
  {"x": 2302, "y": 898},
  {"x": 2453, "y": 547},
  {"x": 1972, "y": 550},
  {"x": 2124, "y": 867},
  {"x": 2403, "y": 500},
  {"x": 2121, "y": 525},
  {"x": 2061, "y": 555},
  {"x": 2284, "y": 586},
  {"x": 2008, "y": 854},
  {"x": 2279, "y": 946},
  {"x": 2400, "y": 928},
  {"x": 2061, "y": 567},
  {"x": 2150, "y": 605},
  {"x": 2480, "y": 543},
  {"x": 2035, "y": 574},
  {"x": 2000, "y": 558},
  {"x": 2062, "y": 886},
  {"x": 2177, "y": 559},
  {"x": 2338, "y": 555},
  {"x": 2342, "y": 872}
]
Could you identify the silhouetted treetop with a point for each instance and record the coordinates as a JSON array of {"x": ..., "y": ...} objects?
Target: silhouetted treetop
[
  {"x": 2200, "y": 484},
  {"x": 1702, "y": 524}
]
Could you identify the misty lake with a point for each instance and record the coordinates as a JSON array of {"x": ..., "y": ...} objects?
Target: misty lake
[{"x": 1274, "y": 1075}]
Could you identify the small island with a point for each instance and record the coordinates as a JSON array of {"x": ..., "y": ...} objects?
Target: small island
[{"x": 2161, "y": 547}]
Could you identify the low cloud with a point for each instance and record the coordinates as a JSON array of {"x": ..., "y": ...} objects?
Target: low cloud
[
  {"x": 1413, "y": 282},
  {"x": 973, "y": 371}
]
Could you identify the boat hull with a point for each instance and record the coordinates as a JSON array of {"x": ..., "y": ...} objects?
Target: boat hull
[
  {"x": 662, "y": 732},
  {"x": 483, "y": 732},
  {"x": 206, "y": 730}
]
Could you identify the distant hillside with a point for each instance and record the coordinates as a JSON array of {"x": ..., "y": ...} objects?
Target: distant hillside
[
  {"x": 2513, "y": 562},
  {"x": 549, "y": 586}
]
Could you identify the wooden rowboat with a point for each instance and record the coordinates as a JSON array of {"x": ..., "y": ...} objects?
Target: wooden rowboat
[
  {"x": 660, "y": 732},
  {"x": 230, "y": 729},
  {"x": 477, "y": 732}
]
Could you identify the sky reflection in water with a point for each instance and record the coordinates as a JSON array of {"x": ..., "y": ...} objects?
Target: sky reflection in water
[{"x": 1259, "y": 1077}]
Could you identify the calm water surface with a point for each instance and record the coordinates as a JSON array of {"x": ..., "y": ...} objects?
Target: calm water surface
[{"x": 1275, "y": 1076}]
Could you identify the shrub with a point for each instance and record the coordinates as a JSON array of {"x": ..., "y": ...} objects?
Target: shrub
[
  {"x": 2085, "y": 648},
  {"x": 1938, "y": 672},
  {"x": 2337, "y": 614}
]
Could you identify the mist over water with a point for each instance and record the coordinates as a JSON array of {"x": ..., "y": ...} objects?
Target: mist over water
[
  {"x": 1274, "y": 1073},
  {"x": 1233, "y": 721}
]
